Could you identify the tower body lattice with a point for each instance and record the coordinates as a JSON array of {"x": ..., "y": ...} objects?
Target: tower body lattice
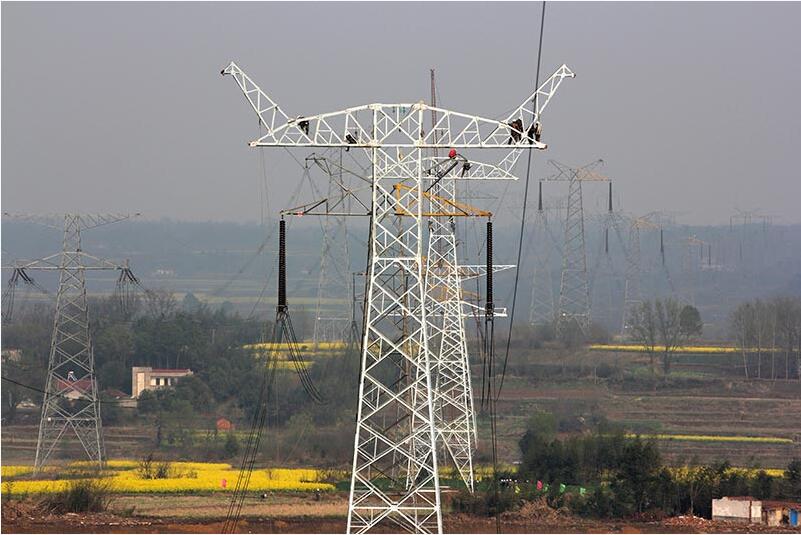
[
  {"x": 632, "y": 297},
  {"x": 574, "y": 290},
  {"x": 71, "y": 402},
  {"x": 453, "y": 397},
  {"x": 333, "y": 314}
]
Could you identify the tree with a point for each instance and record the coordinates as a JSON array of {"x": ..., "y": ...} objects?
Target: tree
[
  {"x": 160, "y": 303},
  {"x": 639, "y": 470},
  {"x": 792, "y": 478},
  {"x": 231, "y": 447},
  {"x": 690, "y": 322},
  {"x": 191, "y": 303},
  {"x": 643, "y": 328},
  {"x": 675, "y": 326}
]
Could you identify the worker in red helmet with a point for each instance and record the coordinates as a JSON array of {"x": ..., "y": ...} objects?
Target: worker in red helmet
[{"x": 452, "y": 154}]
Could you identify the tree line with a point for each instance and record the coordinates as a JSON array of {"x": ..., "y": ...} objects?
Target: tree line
[
  {"x": 768, "y": 333},
  {"x": 609, "y": 474}
]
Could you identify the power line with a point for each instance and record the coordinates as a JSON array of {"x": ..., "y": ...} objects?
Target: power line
[{"x": 522, "y": 222}]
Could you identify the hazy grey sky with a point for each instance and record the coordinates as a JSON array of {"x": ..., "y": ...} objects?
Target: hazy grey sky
[{"x": 694, "y": 107}]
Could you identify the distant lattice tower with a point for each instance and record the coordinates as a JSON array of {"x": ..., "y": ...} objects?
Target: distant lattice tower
[
  {"x": 71, "y": 403},
  {"x": 333, "y": 314},
  {"x": 691, "y": 263},
  {"x": 543, "y": 309},
  {"x": 605, "y": 277},
  {"x": 574, "y": 290}
]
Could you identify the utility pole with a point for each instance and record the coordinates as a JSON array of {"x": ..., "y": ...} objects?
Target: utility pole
[
  {"x": 71, "y": 401},
  {"x": 395, "y": 478}
]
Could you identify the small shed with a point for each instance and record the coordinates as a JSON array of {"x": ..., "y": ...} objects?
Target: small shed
[
  {"x": 781, "y": 512},
  {"x": 224, "y": 424}
]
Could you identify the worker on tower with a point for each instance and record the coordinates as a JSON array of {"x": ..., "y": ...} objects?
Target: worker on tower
[{"x": 517, "y": 131}]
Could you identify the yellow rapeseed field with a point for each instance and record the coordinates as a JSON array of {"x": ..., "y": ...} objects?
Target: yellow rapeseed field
[
  {"x": 13, "y": 471},
  {"x": 683, "y": 473},
  {"x": 306, "y": 348},
  {"x": 186, "y": 477},
  {"x": 635, "y": 348},
  {"x": 707, "y": 350},
  {"x": 717, "y": 438}
]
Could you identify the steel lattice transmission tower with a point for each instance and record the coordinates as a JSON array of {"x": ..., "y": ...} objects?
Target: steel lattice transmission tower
[
  {"x": 574, "y": 289},
  {"x": 395, "y": 428},
  {"x": 333, "y": 323},
  {"x": 691, "y": 266},
  {"x": 543, "y": 303},
  {"x": 71, "y": 401},
  {"x": 604, "y": 276},
  {"x": 454, "y": 414}
]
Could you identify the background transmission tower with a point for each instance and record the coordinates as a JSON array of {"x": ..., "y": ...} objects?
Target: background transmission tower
[
  {"x": 543, "y": 303},
  {"x": 332, "y": 320},
  {"x": 574, "y": 289},
  {"x": 72, "y": 401},
  {"x": 632, "y": 296},
  {"x": 605, "y": 278}
]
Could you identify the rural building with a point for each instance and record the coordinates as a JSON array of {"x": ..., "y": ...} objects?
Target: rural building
[
  {"x": 72, "y": 388},
  {"x": 224, "y": 424},
  {"x": 11, "y": 355},
  {"x": 147, "y": 378},
  {"x": 750, "y": 510}
]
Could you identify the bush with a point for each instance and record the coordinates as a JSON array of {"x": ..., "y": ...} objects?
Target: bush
[
  {"x": 151, "y": 469},
  {"x": 484, "y": 502},
  {"x": 231, "y": 447},
  {"x": 81, "y": 496}
]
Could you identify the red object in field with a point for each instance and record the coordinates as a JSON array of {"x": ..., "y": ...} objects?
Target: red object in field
[
  {"x": 539, "y": 485},
  {"x": 452, "y": 153},
  {"x": 224, "y": 483}
]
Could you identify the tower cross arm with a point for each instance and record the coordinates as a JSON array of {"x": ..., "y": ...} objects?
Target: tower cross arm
[
  {"x": 585, "y": 173},
  {"x": 530, "y": 115},
  {"x": 56, "y": 221},
  {"x": 77, "y": 258},
  {"x": 387, "y": 125}
]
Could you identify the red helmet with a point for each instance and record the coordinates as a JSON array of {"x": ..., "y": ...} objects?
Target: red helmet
[{"x": 452, "y": 153}]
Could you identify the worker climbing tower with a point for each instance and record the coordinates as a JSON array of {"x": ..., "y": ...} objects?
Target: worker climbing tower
[{"x": 395, "y": 426}]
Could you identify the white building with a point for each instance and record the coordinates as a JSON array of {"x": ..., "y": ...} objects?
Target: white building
[{"x": 147, "y": 378}]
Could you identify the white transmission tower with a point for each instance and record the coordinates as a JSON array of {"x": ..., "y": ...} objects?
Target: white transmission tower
[
  {"x": 71, "y": 401},
  {"x": 395, "y": 467}
]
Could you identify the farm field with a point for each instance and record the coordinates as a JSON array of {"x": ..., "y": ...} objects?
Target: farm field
[
  {"x": 140, "y": 477},
  {"x": 293, "y": 513},
  {"x": 702, "y": 419}
]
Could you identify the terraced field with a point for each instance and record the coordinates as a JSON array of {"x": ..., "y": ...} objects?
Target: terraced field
[{"x": 760, "y": 410}]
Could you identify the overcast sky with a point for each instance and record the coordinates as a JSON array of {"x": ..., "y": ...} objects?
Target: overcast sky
[{"x": 694, "y": 107}]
